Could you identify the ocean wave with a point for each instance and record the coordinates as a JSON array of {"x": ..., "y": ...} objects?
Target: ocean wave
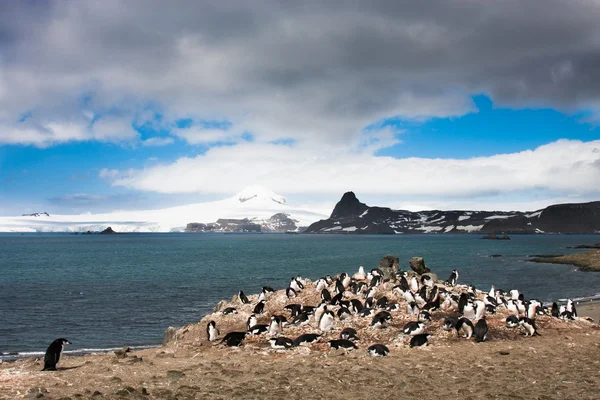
[{"x": 12, "y": 356}]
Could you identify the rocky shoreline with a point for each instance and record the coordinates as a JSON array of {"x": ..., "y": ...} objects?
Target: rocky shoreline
[{"x": 587, "y": 261}]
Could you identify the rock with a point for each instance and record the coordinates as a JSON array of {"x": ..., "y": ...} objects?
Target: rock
[
  {"x": 417, "y": 264},
  {"x": 108, "y": 231},
  {"x": 165, "y": 354},
  {"x": 116, "y": 379},
  {"x": 125, "y": 391},
  {"x": 97, "y": 394},
  {"x": 495, "y": 255},
  {"x": 134, "y": 359},
  {"x": 493, "y": 236},
  {"x": 174, "y": 374},
  {"x": 389, "y": 265},
  {"x": 120, "y": 354},
  {"x": 170, "y": 335},
  {"x": 221, "y": 305}
]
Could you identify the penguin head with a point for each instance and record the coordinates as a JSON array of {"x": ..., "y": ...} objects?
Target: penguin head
[{"x": 63, "y": 341}]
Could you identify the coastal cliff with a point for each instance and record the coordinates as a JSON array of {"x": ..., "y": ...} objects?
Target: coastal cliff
[{"x": 352, "y": 216}]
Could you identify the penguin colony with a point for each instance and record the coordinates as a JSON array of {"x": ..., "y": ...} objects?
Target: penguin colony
[{"x": 364, "y": 310}]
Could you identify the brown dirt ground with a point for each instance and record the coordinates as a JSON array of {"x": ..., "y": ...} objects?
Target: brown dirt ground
[{"x": 563, "y": 363}]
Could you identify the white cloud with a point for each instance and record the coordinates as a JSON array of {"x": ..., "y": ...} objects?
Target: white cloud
[
  {"x": 157, "y": 141},
  {"x": 565, "y": 166}
]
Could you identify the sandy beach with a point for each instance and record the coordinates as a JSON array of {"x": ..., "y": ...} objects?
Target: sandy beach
[{"x": 561, "y": 363}]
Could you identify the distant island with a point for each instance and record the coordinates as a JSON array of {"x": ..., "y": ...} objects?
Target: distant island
[{"x": 353, "y": 217}]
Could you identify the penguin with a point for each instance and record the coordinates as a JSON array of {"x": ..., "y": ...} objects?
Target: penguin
[
  {"x": 450, "y": 301},
  {"x": 348, "y": 334},
  {"x": 480, "y": 330},
  {"x": 378, "y": 350},
  {"x": 490, "y": 308},
  {"x": 370, "y": 293},
  {"x": 521, "y": 306},
  {"x": 325, "y": 295},
  {"x": 375, "y": 282},
  {"x": 229, "y": 310},
  {"x": 393, "y": 306},
  {"x": 469, "y": 311},
  {"x": 301, "y": 319},
  {"x": 532, "y": 308},
  {"x": 512, "y": 321},
  {"x": 453, "y": 278},
  {"x": 356, "y": 306},
  {"x": 251, "y": 321},
  {"x": 382, "y": 302},
  {"x": 337, "y": 299},
  {"x": 268, "y": 289},
  {"x": 258, "y": 329},
  {"x": 426, "y": 281},
  {"x": 514, "y": 294},
  {"x": 276, "y": 326},
  {"x": 360, "y": 275},
  {"x": 319, "y": 311},
  {"x": 434, "y": 295},
  {"x": 414, "y": 284},
  {"x": 290, "y": 293},
  {"x": 419, "y": 340},
  {"x": 326, "y": 321},
  {"x": 243, "y": 297},
  {"x": 294, "y": 309},
  {"x": 462, "y": 302},
  {"x": 424, "y": 316},
  {"x": 380, "y": 320},
  {"x": 343, "y": 313},
  {"x": 432, "y": 305},
  {"x": 466, "y": 326},
  {"x": 412, "y": 308},
  {"x": 420, "y": 300},
  {"x": 571, "y": 307},
  {"x": 479, "y": 307},
  {"x": 259, "y": 308},
  {"x": 306, "y": 338},
  {"x": 262, "y": 297},
  {"x": 366, "y": 312},
  {"x": 234, "y": 339},
  {"x": 414, "y": 328},
  {"x": 512, "y": 308},
  {"x": 377, "y": 272},
  {"x": 296, "y": 285},
  {"x": 321, "y": 284},
  {"x": 339, "y": 287},
  {"x": 211, "y": 331},
  {"x": 346, "y": 280},
  {"x": 308, "y": 309},
  {"x": 53, "y": 354},
  {"x": 492, "y": 292},
  {"x": 408, "y": 296},
  {"x": 555, "y": 313},
  {"x": 449, "y": 323},
  {"x": 529, "y": 325},
  {"x": 342, "y": 344},
  {"x": 403, "y": 285},
  {"x": 360, "y": 286},
  {"x": 281, "y": 343}
]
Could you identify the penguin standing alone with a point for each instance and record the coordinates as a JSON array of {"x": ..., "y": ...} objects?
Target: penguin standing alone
[
  {"x": 53, "y": 353},
  {"x": 211, "y": 331}
]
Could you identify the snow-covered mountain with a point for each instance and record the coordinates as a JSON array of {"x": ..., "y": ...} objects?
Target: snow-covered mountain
[{"x": 256, "y": 203}]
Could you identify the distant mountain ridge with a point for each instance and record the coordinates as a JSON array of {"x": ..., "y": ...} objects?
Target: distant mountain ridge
[
  {"x": 280, "y": 223},
  {"x": 352, "y": 216}
]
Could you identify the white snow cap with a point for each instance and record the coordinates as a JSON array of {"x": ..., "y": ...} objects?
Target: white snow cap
[{"x": 257, "y": 192}]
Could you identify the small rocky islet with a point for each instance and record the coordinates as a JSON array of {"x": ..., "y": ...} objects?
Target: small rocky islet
[{"x": 381, "y": 307}]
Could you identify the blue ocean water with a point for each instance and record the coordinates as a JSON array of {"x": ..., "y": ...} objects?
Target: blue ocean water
[{"x": 107, "y": 291}]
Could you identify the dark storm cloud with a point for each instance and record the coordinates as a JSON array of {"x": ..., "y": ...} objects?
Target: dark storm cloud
[{"x": 302, "y": 69}]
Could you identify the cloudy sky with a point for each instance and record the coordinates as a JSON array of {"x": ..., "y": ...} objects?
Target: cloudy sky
[{"x": 433, "y": 104}]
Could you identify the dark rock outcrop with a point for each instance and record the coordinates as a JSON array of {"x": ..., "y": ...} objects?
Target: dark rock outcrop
[
  {"x": 108, "y": 231},
  {"x": 389, "y": 265},
  {"x": 417, "y": 264},
  {"x": 493, "y": 236},
  {"x": 352, "y": 216}
]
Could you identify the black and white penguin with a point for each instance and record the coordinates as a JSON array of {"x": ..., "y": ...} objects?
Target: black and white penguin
[
  {"x": 306, "y": 338},
  {"x": 325, "y": 295},
  {"x": 426, "y": 281},
  {"x": 281, "y": 343},
  {"x": 301, "y": 319},
  {"x": 512, "y": 321},
  {"x": 360, "y": 286},
  {"x": 453, "y": 278},
  {"x": 479, "y": 307},
  {"x": 230, "y": 310},
  {"x": 393, "y": 306},
  {"x": 380, "y": 320},
  {"x": 326, "y": 321},
  {"x": 403, "y": 285},
  {"x": 308, "y": 309},
  {"x": 529, "y": 325},
  {"x": 469, "y": 311},
  {"x": 424, "y": 316},
  {"x": 320, "y": 284},
  {"x": 480, "y": 330},
  {"x": 419, "y": 340},
  {"x": 258, "y": 329},
  {"x": 377, "y": 272},
  {"x": 512, "y": 308},
  {"x": 571, "y": 308},
  {"x": 555, "y": 312},
  {"x": 382, "y": 302},
  {"x": 414, "y": 328},
  {"x": 375, "y": 282},
  {"x": 465, "y": 326},
  {"x": 53, "y": 354},
  {"x": 432, "y": 305},
  {"x": 346, "y": 280},
  {"x": 290, "y": 293},
  {"x": 490, "y": 308},
  {"x": 251, "y": 321},
  {"x": 339, "y": 287},
  {"x": 449, "y": 323},
  {"x": 378, "y": 350},
  {"x": 343, "y": 313},
  {"x": 259, "y": 307},
  {"x": 276, "y": 325},
  {"x": 414, "y": 284},
  {"x": 349, "y": 334},
  {"x": 356, "y": 306},
  {"x": 234, "y": 339},
  {"x": 412, "y": 308},
  {"x": 337, "y": 298},
  {"x": 462, "y": 302},
  {"x": 366, "y": 312},
  {"x": 296, "y": 284},
  {"x": 243, "y": 297},
  {"x": 294, "y": 309},
  {"x": 268, "y": 289},
  {"x": 211, "y": 331},
  {"x": 342, "y": 344},
  {"x": 370, "y": 302},
  {"x": 370, "y": 293}
]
